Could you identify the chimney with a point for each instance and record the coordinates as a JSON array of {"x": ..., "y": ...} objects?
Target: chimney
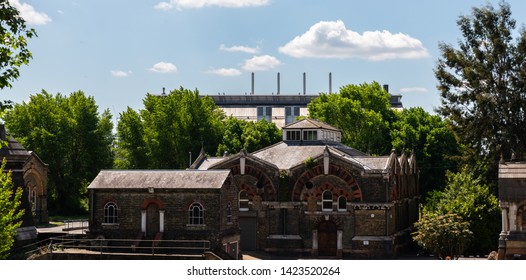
[
  {"x": 278, "y": 83},
  {"x": 386, "y": 87},
  {"x": 304, "y": 83},
  {"x": 252, "y": 92},
  {"x": 164, "y": 93},
  {"x": 330, "y": 82}
]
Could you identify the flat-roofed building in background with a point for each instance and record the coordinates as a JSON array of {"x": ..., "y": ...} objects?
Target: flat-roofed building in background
[{"x": 277, "y": 108}]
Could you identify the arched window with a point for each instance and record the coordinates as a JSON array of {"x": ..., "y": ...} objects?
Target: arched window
[
  {"x": 196, "y": 214},
  {"x": 33, "y": 198},
  {"x": 342, "y": 203},
  {"x": 243, "y": 201},
  {"x": 326, "y": 202},
  {"x": 229, "y": 213},
  {"x": 110, "y": 213}
]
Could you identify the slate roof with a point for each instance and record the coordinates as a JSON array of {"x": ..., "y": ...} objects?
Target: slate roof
[
  {"x": 373, "y": 163},
  {"x": 286, "y": 155},
  {"x": 160, "y": 179},
  {"x": 209, "y": 161},
  {"x": 310, "y": 124}
]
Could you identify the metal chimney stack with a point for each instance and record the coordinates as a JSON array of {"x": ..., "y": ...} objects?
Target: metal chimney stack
[
  {"x": 304, "y": 83},
  {"x": 278, "y": 83},
  {"x": 330, "y": 82},
  {"x": 252, "y": 91}
]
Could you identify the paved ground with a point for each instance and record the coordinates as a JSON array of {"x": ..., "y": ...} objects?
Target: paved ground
[{"x": 72, "y": 227}]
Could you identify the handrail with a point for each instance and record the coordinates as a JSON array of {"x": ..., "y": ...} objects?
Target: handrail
[{"x": 127, "y": 246}]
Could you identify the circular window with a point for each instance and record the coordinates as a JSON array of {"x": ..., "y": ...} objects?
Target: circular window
[{"x": 309, "y": 185}]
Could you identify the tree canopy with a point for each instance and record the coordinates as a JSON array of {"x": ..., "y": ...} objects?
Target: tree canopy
[
  {"x": 251, "y": 136},
  {"x": 168, "y": 130},
  {"x": 69, "y": 134},
  {"x": 482, "y": 83},
  {"x": 446, "y": 235},
  {"x": 434, "y": 143},
  {"x": 363, "y": 114},
  {"x": 13, "y": 43},
  {"x": 471, "y": 199}
]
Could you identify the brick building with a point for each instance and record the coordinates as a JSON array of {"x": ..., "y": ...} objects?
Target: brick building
[
  {"x": 166, "y": 205},
  {"x": 29, "y": 172},
  {"x": 310, "y": 194}
]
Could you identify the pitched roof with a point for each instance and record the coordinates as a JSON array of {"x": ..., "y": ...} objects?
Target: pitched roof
[
  {"x": 309, "y": 124},
  {"x": 286, "y": 155},
  {"x": 160, "y": 179}
]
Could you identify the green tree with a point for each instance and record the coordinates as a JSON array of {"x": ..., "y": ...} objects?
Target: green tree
[
  {"x": 363, "y": 114},
  {"x": 483, "y": 85},
  {"x": 168, "y": 129},
  {"x": 251, "y": 136},
  {"x": 433, "y": 141},
  {"x": 13, "y": 43},
  {"x": 446, "y": 235},
  {"x": 132, "y": 150},
  {"x": 69, "y": 134},
  {"x": 466, "y": 196},
  {"x": 10, "y": 212}
]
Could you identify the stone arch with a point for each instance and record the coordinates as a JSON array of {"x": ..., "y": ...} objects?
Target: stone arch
[
  {"x": 255, "y": 182},
  {"x": 323, "y": 218},
  {"x": 352, "y": 191},
  {"x": 152, "y": 200}
]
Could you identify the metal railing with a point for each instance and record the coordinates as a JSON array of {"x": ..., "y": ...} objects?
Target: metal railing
[{"x": 65, "y": 244}]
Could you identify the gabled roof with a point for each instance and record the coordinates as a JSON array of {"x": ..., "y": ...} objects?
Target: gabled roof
[
  {"x": 310, "y": 124},
  {"x": 236, "y": 157},
  {"x": 286, "y": 155},
  {"x": 160, "y": 179}
]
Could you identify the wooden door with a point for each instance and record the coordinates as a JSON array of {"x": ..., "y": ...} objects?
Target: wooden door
[
  {"x": 152, "y": 221},
  {"x": 248, "y": 233},
  {"x": 327, "y": 239}
]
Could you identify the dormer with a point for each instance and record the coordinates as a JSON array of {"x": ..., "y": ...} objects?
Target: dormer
[{"x": 311, "y": 130}]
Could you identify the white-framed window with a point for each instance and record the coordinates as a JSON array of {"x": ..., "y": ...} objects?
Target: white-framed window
[
  {"x": 243, "y": 200},
  {"x": 110, "y": 213},
  {"x": 196, "y": 214},
  {"x": 265, "y": 112},
  {"x": 326, "y": 201},
  {"x": 342, "y": 203},
  {"x": 310, "y": 135},
  {"x": 291, "y": 113},
  {"x": 229, "y": 213},
  {"x": 293, "y": 135}
]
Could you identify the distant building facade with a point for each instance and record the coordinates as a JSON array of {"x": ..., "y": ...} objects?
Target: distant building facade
[
  {"x": 279, "y": 109},
  {"x": 310, "y": 194},
  {"x": 512, "y": 201},
  {"x": 166, "y": 205}
]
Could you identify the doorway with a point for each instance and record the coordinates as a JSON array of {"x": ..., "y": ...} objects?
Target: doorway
[
  {"x": 327, "y": 239},
  {"x": 152, "y": 220}
]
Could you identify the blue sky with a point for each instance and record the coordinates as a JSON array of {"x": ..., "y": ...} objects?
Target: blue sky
[{"x": 119, "y": 50}]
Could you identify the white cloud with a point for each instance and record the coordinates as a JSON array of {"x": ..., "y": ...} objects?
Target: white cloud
[
  {"x": 239, "y": 49},
  {"x": 331, "y": 39},
  {"x": 163, "y": 67},
  {"x": 120, "y": 73},
  {"x": 28, "y": 13},
  {"x": 227, "y": 72},
  {"x": 183, "y": 4},
  {"x": 413, "y": 89},
  {"x": 261, "y": 63}
]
